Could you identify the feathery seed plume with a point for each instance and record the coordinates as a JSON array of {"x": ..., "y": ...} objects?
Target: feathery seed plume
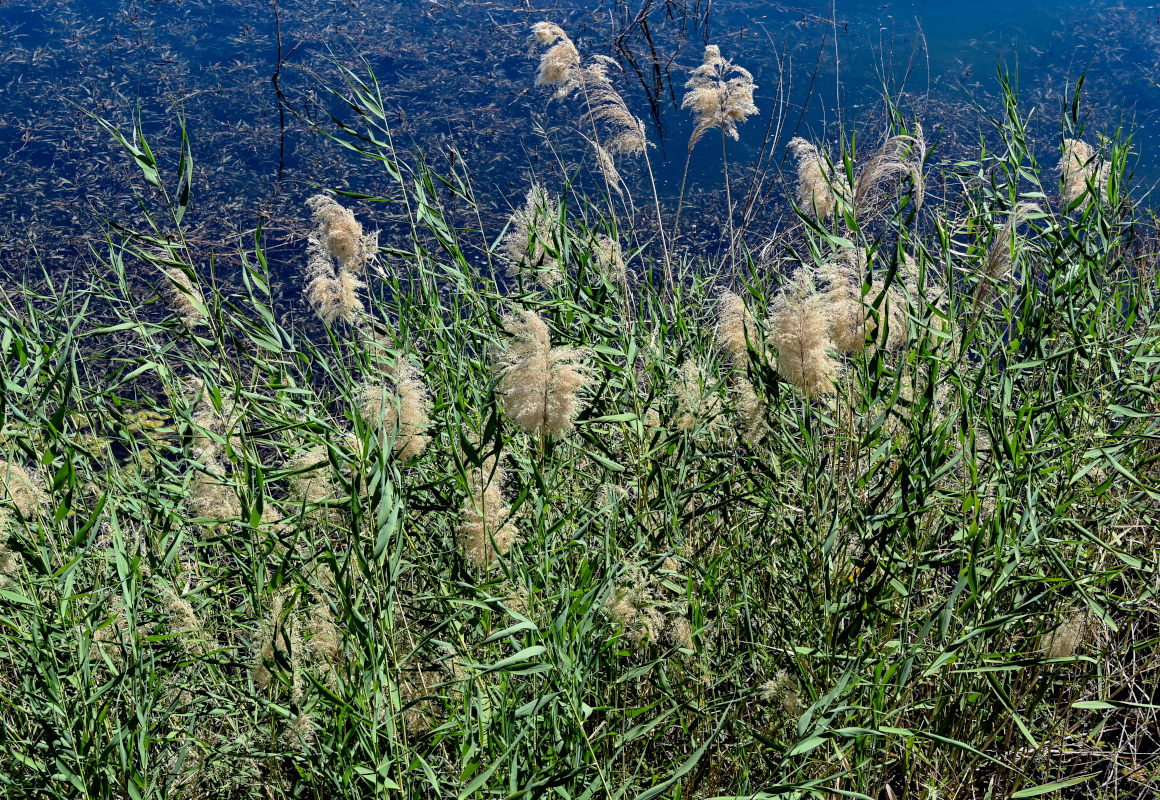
[
  {"x": 606, "y": 105},
  {"x": 716, "y": 99},
  {"x": 750, "y": 411},
  {"x": 899, "y": 156},
  {"x": 560, "y": 63},
  {"x": 539, "y": 385},
  {"x": 852, "y": 314},
  {"x": 19, "y": 487},
  {"x": 183, "y": 297},
  {"x": 485, "y": 526},
  {"x": 696, "y": 401},
  {"x": 530, "y": 238},
  {"x": 336, "y": 251},
  {"x": 1080, "y": 167},
  {"x": 1065, "y": 639},
  {"x": 609, "y": 259},
  {"x": 341, "y": 235},
  {"x": 403, "y": 413},
  {"x": 324, "y": 638},
  {"x": 799, "y": 330},
  {"x": 1000, "y": 255},
  {"x": 736, "y": 330},
  {"x": 212, "y": 495},
  {"x": 818, "y": 183}
]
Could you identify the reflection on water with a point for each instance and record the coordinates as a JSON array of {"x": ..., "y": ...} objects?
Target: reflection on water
[{"x": 459, "y": 75}]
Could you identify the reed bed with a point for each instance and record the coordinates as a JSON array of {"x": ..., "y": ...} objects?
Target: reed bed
[{"x": 873, "y": 518}]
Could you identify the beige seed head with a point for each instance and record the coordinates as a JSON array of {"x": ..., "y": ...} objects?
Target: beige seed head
[
  {"x": 21, "y": 488},
  {"x": 560, "y": 63},
  {"x": 539, "y": 386},
  {"x": 696, "y": 400},
  {"x": 485, "y": 527},
  {"x": 1079, "y": 167},
  {"x": 212, "y": 495},
  {"x": 402, "y": 411},
  {"x": 899, "y": 156},
  {"x": 337, "y": 250},
  {"x": 720, "y": 95},
  {"x": 1066, "y": 639},
  {"x": 819, "y": 185},
  {"x": 799, "y": 327},
  {"x": 183, "y": 297},
  {"x": 530, "y": 240},
  {"x": 609, "y": 259},
  {"x": 340, "y": 234},
  {"x": 736, "y": 329}
]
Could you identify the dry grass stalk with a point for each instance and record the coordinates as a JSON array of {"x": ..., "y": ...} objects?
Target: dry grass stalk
[
  {"x": 799, "y": 327},
  {"x": 400, "y": 413},
  {"x": 1080, "y": 169},
  {"x": 539, "y": 385},
  {"x": 818, "y": 184},
  {"x": 184, "y": 297},
  {"x": 720, "y": 95}
]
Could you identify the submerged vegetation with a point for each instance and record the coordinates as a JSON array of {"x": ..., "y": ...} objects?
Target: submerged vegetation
[{"x": 561, "y": 509}]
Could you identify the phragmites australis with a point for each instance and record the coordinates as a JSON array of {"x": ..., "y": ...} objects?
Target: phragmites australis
[
  {"x": 899, "y": 156},
  {"x": 183, "y": 297},
  {"x": 560, "y": 63},
  {"x": 20, "y": 488},
  {"x": 750, "y": 411},
  {"x": 626, "y": 131},
  {"x": 561, "y": 69},
  {"x": 1080, "y": 168},
  {"x": 818, "y": 183},
  {"x": 856, "y": 318},
  {"x": 539, "y": 385},
  {"x": 530, "y": 240},
  {"x": 485, "y": 527},
  {"x": 799, "y": 326},
  {"x": 634, "y": 605},
  {"x": 401, "y": 412},
  {"x": 696, "y": 399},
  {"x": 341, "y": 235},
  {"x": 1065, "y": 639},
  {"x": 720, "y": 95},
  {"x": 1001, "y": 253},
  {"x": 609, "y": 259},
  {"x": 337, "y": 251},
  {"x": 212, "y": 495},
  {"x": 736, "y": 332}
]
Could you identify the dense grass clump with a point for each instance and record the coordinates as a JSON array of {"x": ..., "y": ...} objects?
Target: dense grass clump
[{"x": 873, "y": 515}]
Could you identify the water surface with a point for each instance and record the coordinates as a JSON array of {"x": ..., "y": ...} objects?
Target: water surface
[{"x": 458, "y": 75}]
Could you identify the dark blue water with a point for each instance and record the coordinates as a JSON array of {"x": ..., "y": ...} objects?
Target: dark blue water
[{"x": 459, "y": 75}]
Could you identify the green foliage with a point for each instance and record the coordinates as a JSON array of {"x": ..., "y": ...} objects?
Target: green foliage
[{"x": 939, "y": 579}]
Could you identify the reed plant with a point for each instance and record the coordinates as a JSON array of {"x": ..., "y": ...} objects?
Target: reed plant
[{"x": 855, "y": 527}]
